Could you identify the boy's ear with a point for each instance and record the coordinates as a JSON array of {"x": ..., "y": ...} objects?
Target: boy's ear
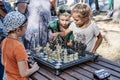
[{"x": 18, "y": 29}]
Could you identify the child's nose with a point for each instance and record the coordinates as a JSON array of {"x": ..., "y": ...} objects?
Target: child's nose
[{"x": 64, "y": 22}]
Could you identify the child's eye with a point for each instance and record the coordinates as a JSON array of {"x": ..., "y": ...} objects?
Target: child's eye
[
  {"x": 75, "y": 20},
  {"x": 67, "y": 20}
]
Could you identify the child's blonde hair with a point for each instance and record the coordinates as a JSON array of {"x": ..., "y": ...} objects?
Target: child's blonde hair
[{"x": 83, "y": 10}]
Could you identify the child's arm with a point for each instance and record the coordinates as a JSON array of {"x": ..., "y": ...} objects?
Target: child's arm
[
  {"x": 24, "y": 71},
  {"x": 2, "y": 13},
  {"x": 71, "y": 39},
  {"x": 62, "y": 34},
  {"x": 22, "y": 57},
  {"x": 98, "y": 42}
]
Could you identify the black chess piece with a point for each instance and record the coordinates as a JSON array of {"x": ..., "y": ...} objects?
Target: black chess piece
[
  {"x": 52, "y": 45},
  {"x": 30, "y": 61},
  {"x": 80, "y": 48}
]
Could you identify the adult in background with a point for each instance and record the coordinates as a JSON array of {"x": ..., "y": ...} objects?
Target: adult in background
[
  {"x": 53, "y": 9},
  {"x": 97, "y": 5},
  {"x": 53, "y": 4},
  {"x": 110, "y": 11},
  {"x": 111, "y": 4},
  {"x": 39, "y": 15},
  {"x": 5, "y": 7},
  {"x": 94, "y": 5}
]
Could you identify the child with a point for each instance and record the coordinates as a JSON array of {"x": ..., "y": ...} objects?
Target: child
[
  {"x": 14, "y": 56},
  {"x": 63, "y": 22},
  {"x": 84, "y": 30}
]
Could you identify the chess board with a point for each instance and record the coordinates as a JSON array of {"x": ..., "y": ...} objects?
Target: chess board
[{"x": 58, "y": 66}]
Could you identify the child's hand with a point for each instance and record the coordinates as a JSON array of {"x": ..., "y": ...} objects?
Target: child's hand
[
  {"x": 94, "y": 51},
  {"x": 35, "y": 66},
  {"x": 70, "y": 44},
  {"x": 54, "y": 36}
]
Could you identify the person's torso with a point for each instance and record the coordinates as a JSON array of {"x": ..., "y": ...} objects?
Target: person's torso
[
  {"x": 10, "y": 60},
  {"x": 86, "y": 35}
]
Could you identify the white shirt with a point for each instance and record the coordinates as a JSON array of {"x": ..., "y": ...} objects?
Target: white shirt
[{"x": 87, "y": 35}]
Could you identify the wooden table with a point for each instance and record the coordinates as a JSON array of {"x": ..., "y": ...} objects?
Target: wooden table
[{"x": 80, "y": 72}]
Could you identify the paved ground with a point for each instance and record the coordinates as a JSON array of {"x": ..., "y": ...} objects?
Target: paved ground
[{"x": 110, "y": 47}]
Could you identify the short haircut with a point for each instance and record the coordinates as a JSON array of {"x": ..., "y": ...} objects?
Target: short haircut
[{"x": 64, "y": 10}]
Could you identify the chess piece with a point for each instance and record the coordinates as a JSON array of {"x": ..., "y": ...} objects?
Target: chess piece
[
  {"x": 65, "y": 56},
  {"x": 37, "y": 49},
  {"x": 76, "y": 56}
]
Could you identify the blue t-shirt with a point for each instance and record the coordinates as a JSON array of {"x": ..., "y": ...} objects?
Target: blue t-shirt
[{"x": 7, "y": 8}]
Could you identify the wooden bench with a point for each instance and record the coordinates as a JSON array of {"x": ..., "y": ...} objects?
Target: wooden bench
[{"x": 80, "y": 72}]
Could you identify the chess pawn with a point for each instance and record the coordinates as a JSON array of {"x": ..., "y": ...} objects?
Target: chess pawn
[
  {"x": 51, "y": 55},
  {"x": 59, "y": 60},
  {"x": 38, "y": 54},
  {"x": 71, "y": 57},
  {"x": 42, "y": 54},
  {"x": 76, "y": 56},
  {"x": 58, "y": 47},
  {"x": 65, "y": 56},
  {"x": 55, "y": 55},
  {"x": 48, "y": 53},
  {"x": 38, "y": 48},
  {"x": 82, "y": 48},
  {"x": 58, "y": 56},
  {"x": 62, "y": 53},
  {"x": 68, "y": 58},
  {"x": 47, "y": 45},
  {"x": 45, "y": 49}
]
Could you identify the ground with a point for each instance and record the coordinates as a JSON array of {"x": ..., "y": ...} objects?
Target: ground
[{"x": 110, "y": 47}]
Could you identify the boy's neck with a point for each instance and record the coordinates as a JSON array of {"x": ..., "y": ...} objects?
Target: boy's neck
[
  {"x": 13, "y": 35},
  {"x": 63, "y": 28}
]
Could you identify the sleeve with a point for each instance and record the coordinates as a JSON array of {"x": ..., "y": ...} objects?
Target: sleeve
[
  {"x": 71, "y": 27},
  {"x": 96, "y": 29},
  {"x": 20, "y": 53},
  {"x": 71, "y": 36},
  {"x": 7, "y": 6},
  {"x": 50, "y": 24},
  {"x": 53, "y": 26}
]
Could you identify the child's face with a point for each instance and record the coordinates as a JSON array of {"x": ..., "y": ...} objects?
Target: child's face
[
  {"x": 77, "y": 19},
  {"x": 22, "y": 30},
  {"x": 64, "y": 20}
]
